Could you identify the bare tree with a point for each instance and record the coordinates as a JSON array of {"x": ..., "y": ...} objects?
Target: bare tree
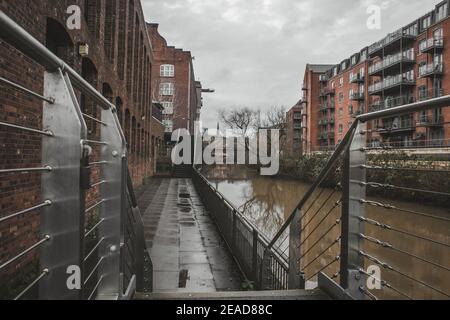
[
  {"x": 241, "y": 120},
  {"x": 275, "y": 118}
]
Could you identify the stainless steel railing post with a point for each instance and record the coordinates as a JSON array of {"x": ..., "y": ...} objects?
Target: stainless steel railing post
[
  {"x": 352, "y": 209},
  {"x": 62, "y": 220}
]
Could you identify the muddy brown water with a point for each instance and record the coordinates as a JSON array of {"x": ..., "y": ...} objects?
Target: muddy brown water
[{"x": 268, "y": 202}]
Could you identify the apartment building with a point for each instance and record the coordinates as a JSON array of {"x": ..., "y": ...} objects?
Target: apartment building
[
  {"x": 408, "y": 65},
  {"x": 294, "y": 129},
  {"x": 174, "y": 84}
]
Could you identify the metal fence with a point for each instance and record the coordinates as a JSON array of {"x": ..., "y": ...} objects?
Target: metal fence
[
  {"x": 266, "y": 269},
  {"x": 383, "y": 231},
  {"x": 104, "y": 241}
]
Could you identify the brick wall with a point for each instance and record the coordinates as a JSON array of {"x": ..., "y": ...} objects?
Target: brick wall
[
  {"x": 185, "y": 98},
  {"x": 119, "y": 65}
]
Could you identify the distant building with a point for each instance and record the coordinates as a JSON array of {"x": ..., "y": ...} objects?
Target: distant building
[
  {"x": 174, "y": 84},
  {"x": 294, "y": 129},
  {"x": 408, "y": 65}
]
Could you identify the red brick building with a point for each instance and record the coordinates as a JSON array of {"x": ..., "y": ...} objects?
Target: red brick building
[
  {"x": 408, "y": 65},
  {"x": 174, "y": 84},
  {"x": 294, "y": 128},
  {"x": 113, "y": 52}
]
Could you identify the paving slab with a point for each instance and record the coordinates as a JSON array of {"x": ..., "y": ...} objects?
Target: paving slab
[{"x": 187, "y": 252}]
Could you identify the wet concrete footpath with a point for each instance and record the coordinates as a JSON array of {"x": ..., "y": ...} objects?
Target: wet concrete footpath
[{"x": 187, "y": 252}]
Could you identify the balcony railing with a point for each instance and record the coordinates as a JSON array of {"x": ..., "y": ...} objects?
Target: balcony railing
[
  {"x": 426, "y": 95},
  {"x": 397, "y": 126},
  {"x": 390, "y": 61},
  {"x": 433, "y": 45},
  {"x": 357, "y": 78},
  {"x": 391, "y": 38},
  {"x": 435, "y": 120},
  {"x": 432, "y": 69},
  {"x": 327, "y": 92},
  {"x": 391, "y": 103},
  {"x": 390, "y": 83},
  {"x": 323, "y": 78},
  {"x": 357, "y": 96}
]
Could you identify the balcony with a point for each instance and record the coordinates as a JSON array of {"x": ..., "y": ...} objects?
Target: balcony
[
  {"x": 391, "y": 103},
  {"x": 431, "y": 70},
  {"x": 391, "y": 65},
  {"x": 327, "y": 92},
  {"x": 323, "y": 122},
  {"x": 431, "y": 121},
  {"x": 357, "y": 78},
  {"x": 327, "y": 106},
  {"x": 391, "y": 84},
  {"x": 323, "y": 78},
  {"x": 426, "y": 95},
  {"x": 326, "y": 135},
  {"x": 398, "y": 127},
  {"x": 392, "y": 42},
  {"x": 433, "y": 46},
  {"x": 357, "y": 96},
  {"x": 297, "y": 126}
]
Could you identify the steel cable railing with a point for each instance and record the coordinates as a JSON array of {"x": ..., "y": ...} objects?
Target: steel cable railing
[
  {"x": 414, "y": 251},
  {"x": 91, "y": 187}
]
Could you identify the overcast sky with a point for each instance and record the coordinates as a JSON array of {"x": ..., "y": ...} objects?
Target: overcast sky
[{"x": 254, "y": 52}]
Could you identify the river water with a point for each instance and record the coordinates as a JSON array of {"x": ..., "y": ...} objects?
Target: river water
[{"x": 268, "y": 202}]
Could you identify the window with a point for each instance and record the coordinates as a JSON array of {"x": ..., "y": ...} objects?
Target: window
[
  {"x": 362, "y": 72},
  {"x": 167, "y": 70},
  {"x": 442, "y": 12},
  {"x": 438, "y": 34},
  {"x": 364, "y": 55},
  {"x": 422, "y": 93},
  {"x": 354, "y": 61},
  {"x": 168, "y": 108},
  {"x": 350, "y": 92},
  {"x": 169, "y": 125},
  {"x": 423, "y": 45},
  {"x": 341, "y": 128},
  {"x": 341, "y": 97},
  {"x": 166, "y": 89},
  {"x": 426, "y": 22},
  {"x": 341, "y": 81}
]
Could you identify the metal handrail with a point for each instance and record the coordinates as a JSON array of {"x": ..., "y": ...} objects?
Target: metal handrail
[
  {"x": 23, "y": 41},
  {"x": 405, "y": 109}
]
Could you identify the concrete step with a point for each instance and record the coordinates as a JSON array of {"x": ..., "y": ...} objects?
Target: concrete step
[{"x": 236, "y": 296}]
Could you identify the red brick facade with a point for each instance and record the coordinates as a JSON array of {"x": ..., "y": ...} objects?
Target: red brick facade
[
  {"x": 174, "y": 84},
  {"x": 409, "y": 65},
  {"x": 294, "y": 127},
  {"x": 119, "y": 64}
]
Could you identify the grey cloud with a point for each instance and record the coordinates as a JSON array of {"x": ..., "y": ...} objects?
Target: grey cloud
[{"x": 253, "y": 52}]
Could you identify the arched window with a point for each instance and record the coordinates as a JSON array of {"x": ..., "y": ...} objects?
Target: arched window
[
  {"x": 88, "y": 106},
  {"x": 119, "y": 108},
  {"x": 167, "y": 70},
  {"x": 110, "y": 29},
  {"x": 58, "y": 41}
]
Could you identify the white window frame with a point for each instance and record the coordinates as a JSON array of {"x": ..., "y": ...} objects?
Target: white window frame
[
  {"x": 441, "y": 12},
  {"x": 166, "y": 89},
  {"x": 168, "y": 108},
  {"x": 167, "y": 70},
  {"x": 168, "y": 124}
]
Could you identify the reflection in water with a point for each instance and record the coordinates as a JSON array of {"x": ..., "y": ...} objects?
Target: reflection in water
[
  {"x": 266, "y": 202},
  {"x": 419, "y": 244}
]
